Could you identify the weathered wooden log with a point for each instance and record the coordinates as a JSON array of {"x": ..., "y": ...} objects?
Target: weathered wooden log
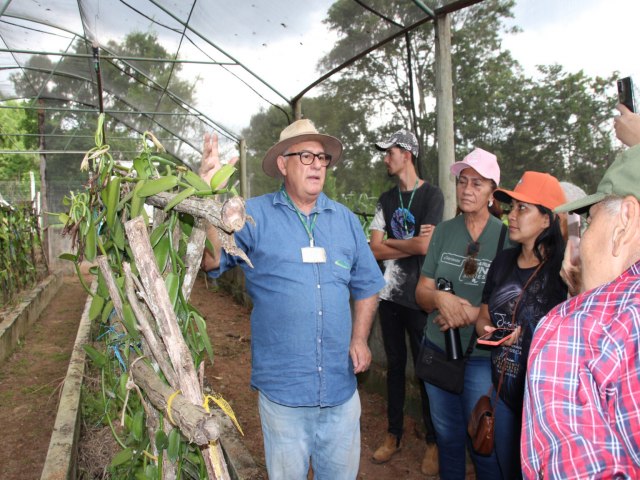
[
  {"x": 194, "y": 422},
  {"x": 114, "y": 293},
  {"x": 145, "y": 324},
  {"x": 227, "y": 217},
  {"x": 193, "y": 257},
  {"x": 162, "y": 309}
]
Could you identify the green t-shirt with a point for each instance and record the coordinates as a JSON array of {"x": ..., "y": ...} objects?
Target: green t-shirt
[{"x": 445, "y": 258}]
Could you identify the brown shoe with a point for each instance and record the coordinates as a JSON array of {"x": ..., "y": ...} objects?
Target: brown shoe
[
  {"x": 430, "y": 461},
  {"x": 389, "y": 447}
]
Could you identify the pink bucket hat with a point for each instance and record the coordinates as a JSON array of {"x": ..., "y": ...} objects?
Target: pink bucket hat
[{"x": 483, "y": 162}]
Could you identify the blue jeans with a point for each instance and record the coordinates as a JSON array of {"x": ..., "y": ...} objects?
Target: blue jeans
[
  {"x": 330, "y": 436},
  {"x": 450, "y": 414},
  {"x": 507, "y": 430}
]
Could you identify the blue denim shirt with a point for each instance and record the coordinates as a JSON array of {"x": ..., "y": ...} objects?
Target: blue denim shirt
[{"x": 301, "y": 318}]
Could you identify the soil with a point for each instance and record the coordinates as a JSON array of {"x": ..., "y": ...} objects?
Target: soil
[{"x": 31, "y": 379}]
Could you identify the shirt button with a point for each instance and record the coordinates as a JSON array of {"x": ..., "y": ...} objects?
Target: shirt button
[
  {"x": 318, "y": 285},
  {"x": 319, "y": 369},
  {"x": 319, "y": 340},
  {"x": 320, "y": 312}
]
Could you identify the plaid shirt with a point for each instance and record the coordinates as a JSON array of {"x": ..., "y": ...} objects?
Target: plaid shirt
[{"x": 582, "y": 398}]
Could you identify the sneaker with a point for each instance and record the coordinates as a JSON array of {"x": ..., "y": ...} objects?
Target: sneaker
[
  {"x": 388, "y": 449},
  {"x": 430, "y": 461}
]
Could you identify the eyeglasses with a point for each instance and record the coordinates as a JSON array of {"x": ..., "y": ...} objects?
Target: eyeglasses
[
  {"x": 470, "y": 266},
  {"x": 307, "y": 158}
]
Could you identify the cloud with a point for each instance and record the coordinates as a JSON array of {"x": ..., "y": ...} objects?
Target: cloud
[{"x": 597, "y": 36}]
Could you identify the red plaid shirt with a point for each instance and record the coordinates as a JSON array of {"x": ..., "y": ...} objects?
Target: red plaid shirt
[{"x": 582, "y": 397}]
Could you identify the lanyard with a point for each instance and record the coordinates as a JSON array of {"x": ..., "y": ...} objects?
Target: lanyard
[
  {"x": 305, "y": 223},
  {"x": 404, "y": 212}
]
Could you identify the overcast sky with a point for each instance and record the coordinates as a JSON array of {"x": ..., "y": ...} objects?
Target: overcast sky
[{"x": 597, "y": 36}]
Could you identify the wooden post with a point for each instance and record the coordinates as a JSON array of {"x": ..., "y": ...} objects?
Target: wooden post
[{"x": 444, "y": 113}]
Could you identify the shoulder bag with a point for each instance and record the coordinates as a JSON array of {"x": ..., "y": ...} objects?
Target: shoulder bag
[{"x": 433, "y": 367}]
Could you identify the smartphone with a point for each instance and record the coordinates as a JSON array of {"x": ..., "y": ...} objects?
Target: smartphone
[
  {"x": 626, "y": 94},
  {"x": 496, "y": 337}
]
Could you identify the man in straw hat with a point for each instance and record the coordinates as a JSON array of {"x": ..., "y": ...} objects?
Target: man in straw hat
[
  {"x": 581, "y": 411},
  {"x": 310, "y": 256}
]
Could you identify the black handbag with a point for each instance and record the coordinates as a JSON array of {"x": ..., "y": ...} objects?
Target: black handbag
[{"x": 433, "y": 367}]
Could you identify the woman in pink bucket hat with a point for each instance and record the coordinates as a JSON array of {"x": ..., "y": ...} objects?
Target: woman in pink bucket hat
[{"x": 450, "y": 290}]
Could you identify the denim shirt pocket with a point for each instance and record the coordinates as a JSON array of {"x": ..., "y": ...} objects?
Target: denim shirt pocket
[{"x": 341, "y": 263}]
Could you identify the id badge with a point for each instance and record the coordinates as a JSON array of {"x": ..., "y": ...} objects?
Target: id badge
[{"x": 313, "y": 255}]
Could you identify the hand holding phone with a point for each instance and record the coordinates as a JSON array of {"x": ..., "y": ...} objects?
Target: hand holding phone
[
  {"x": 496, "y": 337},
  {"x": 626, "y": 95}
]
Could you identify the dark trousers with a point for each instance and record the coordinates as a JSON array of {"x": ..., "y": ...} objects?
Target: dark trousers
[{"x": 396, "y": 322}]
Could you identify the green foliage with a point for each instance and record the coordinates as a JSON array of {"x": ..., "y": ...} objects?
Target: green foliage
[
  {"x": 21, "y": 259},
  {"x": 95, "y": 217},
  {"x": 557, "y": 122},
  {"x": 68, "y": 126}
]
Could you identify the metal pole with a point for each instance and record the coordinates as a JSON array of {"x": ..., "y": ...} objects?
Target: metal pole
[
  {"x": 96, "y": 68},
  {"x": 244, "y": 186}
]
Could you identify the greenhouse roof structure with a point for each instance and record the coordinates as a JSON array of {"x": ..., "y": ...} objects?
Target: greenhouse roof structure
[{"x": 178, "y": 68}]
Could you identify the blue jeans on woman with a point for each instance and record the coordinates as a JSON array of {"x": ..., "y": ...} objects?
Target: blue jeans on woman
[
  {"x": 450, "y": 415},
  {"x": 507, "y": 430}
]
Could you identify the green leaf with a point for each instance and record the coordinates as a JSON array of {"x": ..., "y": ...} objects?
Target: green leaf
[
  {"x": 157, "y": 234},
  {"x": 141, "y": 165},
  {"x": 129, "y": 321},
  {"x": 137, "y": 427},
  {"x": 222, "y": 176},
  {"x": 172, "y": 281},
  {"x": 68, "y": 256},
  {"x": 174, "y": 445},
  {"x": 186, "y": 193},
  {"x": 106, "y": 311},
  {"x": 196, "y": 181},
  {"x": 162, "y": 441},
  {"x": 157, "y": 185},
  {"x": 202, "y": 329},
  {"x": 122, "y": 457},
  {"x": 118, "y": 236},
  {"x": 122, "y": 385},
  {"x": 161, "y": 251},
  {"x": 99, "y": 358},
  {"x": 90, "y": 245},
  {"x": 137, "y": 202},
  {"x": 97, "y": 303},
  {"x": 113, "y": 195}
]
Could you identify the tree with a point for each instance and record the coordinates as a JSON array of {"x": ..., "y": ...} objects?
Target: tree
[
  {"x": 15, "y": 167},
  {"x": 136, "y": 86},
  {"x": 555, "y": 123}
]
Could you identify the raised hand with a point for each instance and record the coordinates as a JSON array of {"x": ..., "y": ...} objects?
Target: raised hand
[{"x": 210, "y": 162}]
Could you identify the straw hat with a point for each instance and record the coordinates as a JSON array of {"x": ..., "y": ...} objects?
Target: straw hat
[{"x": 300, "y": 131}]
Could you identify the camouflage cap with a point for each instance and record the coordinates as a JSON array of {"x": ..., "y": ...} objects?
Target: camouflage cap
[{"x": 402, "y": 138}]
